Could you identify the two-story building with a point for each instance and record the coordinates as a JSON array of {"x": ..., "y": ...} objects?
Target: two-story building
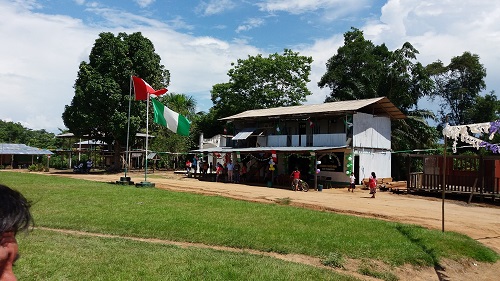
[{"x": 327, "y": 142}]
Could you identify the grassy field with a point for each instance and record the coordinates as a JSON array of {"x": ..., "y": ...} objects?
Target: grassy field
[{"x": 153, "y": 213}]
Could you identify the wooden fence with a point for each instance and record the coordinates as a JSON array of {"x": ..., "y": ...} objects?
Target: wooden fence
[{"x": 475, "y": 175}]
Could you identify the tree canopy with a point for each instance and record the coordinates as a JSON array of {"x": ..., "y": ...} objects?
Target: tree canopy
[
  {"x": 363, "y": 70},
  {"x": 458, "y": 86},
  {"x": 11, "y": 132},
  {"x": 99, "y": 108},
  {"x": 258, "y": 82}
]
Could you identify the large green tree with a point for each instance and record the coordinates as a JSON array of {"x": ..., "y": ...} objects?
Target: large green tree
[
  {"x": 258, "y": 82},
  {"x": 99, "y": 108},
  {"x": 485, "y": 109},
  {"x": 457, "y": 86},
  {"x": 361, "y": 70}
]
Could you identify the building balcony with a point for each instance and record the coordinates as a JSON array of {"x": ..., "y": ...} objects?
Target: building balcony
[{"x": 315, "y": 140}]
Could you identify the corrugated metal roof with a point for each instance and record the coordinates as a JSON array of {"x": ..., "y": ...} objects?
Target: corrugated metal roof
[
  {"x": 15, "y": 148},
  {"x": 381, "y": 105}
]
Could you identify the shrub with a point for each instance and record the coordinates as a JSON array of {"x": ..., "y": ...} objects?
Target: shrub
[{"x": 37, "y": 168}]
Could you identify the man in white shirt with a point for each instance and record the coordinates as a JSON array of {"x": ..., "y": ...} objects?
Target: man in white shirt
[{"x": 230, "y": 168}]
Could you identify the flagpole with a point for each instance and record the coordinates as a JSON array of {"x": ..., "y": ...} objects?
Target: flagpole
[
  {"x": 125, "y": 179},
  {"x": 128, "y": 126},
  {"x": 147, "y": 138}
]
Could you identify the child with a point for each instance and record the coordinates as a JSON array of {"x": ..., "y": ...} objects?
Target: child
[
  {"x": 373, "y": 184},
  {"x": 352, "y": 184},
  {"x": 218, "y": 172}
]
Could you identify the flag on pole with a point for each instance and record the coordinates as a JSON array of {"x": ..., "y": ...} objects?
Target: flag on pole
[
  {"x": 174, "y": 121},
  {"x": 142, "y": 89}
]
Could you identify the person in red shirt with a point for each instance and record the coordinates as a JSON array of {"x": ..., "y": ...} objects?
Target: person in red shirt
[
  {"x": 188, "y": 167},
  {"x": 218, "y": 172},
  {"x": 295, "y": 178},
  {"x": 372, "y": 182}
]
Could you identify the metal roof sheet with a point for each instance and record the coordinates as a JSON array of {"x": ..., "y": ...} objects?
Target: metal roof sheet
[
  {"x": 380, "y": 105},
  {"x": 16, "y": 148},
  {"x": 244, "y": 134}
]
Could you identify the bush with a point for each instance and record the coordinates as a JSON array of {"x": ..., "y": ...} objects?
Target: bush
[{"x": 37, "y": 168}]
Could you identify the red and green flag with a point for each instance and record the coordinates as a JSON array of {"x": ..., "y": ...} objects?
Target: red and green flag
[
  {"x": 174, "y": 121},
  {"x": 142, "y": 89}
]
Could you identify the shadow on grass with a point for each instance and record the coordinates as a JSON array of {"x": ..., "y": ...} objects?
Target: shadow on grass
[{"x": 440, "y": 271}]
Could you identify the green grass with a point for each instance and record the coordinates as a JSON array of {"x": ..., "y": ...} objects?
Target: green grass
[
  {"x": 153, "y": 213},
  {"x": 53, "y": 256}
]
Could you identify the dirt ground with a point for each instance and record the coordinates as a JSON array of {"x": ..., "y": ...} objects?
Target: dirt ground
[{"x": 479, "y": 221}]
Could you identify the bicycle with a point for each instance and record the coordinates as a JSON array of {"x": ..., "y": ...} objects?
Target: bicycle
[{"x": 301, "y": 186}]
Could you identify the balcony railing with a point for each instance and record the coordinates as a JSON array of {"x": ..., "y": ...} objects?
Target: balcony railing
[{"x": 303, "y": 140}]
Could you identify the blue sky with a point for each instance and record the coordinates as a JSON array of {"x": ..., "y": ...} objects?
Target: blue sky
[{"x": 45, "y": 40}]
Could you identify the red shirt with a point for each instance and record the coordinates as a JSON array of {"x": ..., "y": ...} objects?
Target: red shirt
[{"x": 296, "y": 174}]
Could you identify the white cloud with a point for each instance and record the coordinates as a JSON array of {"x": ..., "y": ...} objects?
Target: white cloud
[
  {"x": 41, "y": 53},
  {"x": 441, "y": 30},
  {"x": 250, "y": 24},
  {"x": 321, "y": 51},
  {"x": 330, "y": 10},
  {"x": 214, "y": 7},
  {"x": 144, "y": 3},
  {"x": 40, "y": 64}
]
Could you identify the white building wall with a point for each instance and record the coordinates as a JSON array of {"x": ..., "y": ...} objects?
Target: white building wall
[
  {"x": 374, "y": 161},
  {"x": 371, "y": 131}
]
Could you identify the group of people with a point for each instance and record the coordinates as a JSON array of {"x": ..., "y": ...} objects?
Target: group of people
[
  {"x": 231, "y": 172},
  {"x": 83, "y": 167},
  {"x": 372, "y": 184}
]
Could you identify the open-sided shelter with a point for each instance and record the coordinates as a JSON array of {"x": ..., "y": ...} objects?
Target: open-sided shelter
[{"x": 20, "y": 155}]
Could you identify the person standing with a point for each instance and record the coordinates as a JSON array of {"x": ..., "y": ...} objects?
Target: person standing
[
  {"x": 89, "y": 166},
  {"x": 230, "y": 169},
  {"x": 188, "y": 167},
  {"x": 295, "y": 178},
  {"x": 194, "y": 164},
  {"x": 372, "y": 182},
  {"x": 236, "y": 172},
  {"x": 352, "y": 184},
  {"x": 15, "y": 216},
  {"x": 218, "y": 171},
  {"x": 243, "y": 173},
  {"x": 205, "y": 169}
]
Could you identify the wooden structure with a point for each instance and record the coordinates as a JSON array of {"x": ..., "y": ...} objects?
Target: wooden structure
[
  {"x": 477, "y": 176},
  {"x": 326, "y": 142}
]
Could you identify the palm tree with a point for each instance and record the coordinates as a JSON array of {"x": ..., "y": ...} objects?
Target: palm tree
[
  {"x": 167, "y": 141},
  {"x": 180, "y": 103}
]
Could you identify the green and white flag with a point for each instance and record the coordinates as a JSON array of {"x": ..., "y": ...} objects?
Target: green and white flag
[{"x": 174, "y": 121}]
